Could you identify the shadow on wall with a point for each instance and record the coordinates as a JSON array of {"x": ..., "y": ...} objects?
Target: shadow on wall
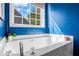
[{"x": 1, "y": 28}]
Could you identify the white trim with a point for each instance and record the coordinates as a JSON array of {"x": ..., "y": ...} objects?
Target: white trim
[
  {"x": 30, "y": 36},
  {"x": 41, "y": 35},
  {"x": 42, "y": 25},
  {"x": 2, "y": 10}
]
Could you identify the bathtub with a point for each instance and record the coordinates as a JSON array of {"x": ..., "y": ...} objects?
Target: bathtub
[{"x": 42, "y": 43}]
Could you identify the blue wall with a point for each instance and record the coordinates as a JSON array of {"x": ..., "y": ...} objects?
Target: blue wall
[
  {"x": 67, "y": 18},
  {"x": 4, "y": 25},
  {"x": 2, "y": 28}
]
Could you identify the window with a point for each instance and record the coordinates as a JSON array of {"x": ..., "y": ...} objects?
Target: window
[{"x": 26, "y": 15}]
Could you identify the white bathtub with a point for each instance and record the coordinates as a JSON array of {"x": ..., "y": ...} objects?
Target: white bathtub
[{"x": 37, "y": 41}]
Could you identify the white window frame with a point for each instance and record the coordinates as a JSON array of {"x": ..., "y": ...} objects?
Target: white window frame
[
  {"x": 11, "y": 22},
  {"x": 2, "y": 11}
]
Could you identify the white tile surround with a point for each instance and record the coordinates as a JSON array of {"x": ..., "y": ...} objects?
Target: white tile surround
[{"x": 40, "y": 42}]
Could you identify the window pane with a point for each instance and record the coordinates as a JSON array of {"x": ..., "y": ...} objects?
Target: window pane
[
  {"x": 38, "y": 16},
  {"x": 17, "y": 20},
  {"x": 26, "y": 10},
  {"x": 16, "y": 13},
  {"x": 23, "y": 9},
  {"x": 33, "y": 15},
  {"x": 32, "y": 21},
  {"x": 38, "y": 22},
  {"x": 38, "y": 10},
  {"x": 18, "y": 9},
  {"x": 25, "y": 21},
  {"x": 33, "y": 8}
]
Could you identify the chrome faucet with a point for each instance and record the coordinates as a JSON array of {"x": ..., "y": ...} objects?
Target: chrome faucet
[
  {"x": 21, "y": 49},
  {"x": 32, "y": 48}
]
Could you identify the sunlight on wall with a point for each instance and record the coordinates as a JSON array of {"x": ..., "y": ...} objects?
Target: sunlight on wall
[
  {"x": 53, "y": 27},
  {"x": 52, "y": 24}
]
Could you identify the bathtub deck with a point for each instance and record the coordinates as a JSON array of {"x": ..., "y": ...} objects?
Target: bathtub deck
[
  {"x": 46, "y": 50},
  {"x": 65, "y": 50}
]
